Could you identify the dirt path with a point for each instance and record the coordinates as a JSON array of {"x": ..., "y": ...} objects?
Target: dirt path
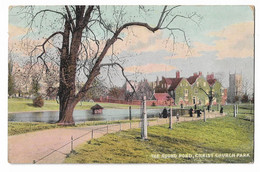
[{"x": 51, "y": 146}]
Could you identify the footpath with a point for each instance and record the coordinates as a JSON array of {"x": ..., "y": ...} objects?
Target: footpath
[{"x": 53, "y": 145}]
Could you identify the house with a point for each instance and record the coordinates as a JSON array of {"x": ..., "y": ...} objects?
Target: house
[{"x": 192, "y": 90}]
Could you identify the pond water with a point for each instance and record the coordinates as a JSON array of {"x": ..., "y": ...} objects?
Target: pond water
[{"x": 80, "y": 115}]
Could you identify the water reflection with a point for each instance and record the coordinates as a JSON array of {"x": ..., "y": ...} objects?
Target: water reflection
[{"x": 80, "y": 115}]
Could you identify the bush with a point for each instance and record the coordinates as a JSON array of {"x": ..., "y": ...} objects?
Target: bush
[
  {"x": 153, "y": 104},
  {"x": 38, "y": 101}
]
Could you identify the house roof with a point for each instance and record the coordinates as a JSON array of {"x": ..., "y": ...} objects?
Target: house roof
[
  {"x": 211, "y": 81},
  {"x": 192, "y": 79},
  {"x": 162, "y": 96},
  {"x": 175, "y": 83},
  {"x": 97, "y": 106},
  {"x": 169, "y": 80}
]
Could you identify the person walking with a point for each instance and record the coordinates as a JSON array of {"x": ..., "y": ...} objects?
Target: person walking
[
  {"x": 221, "y": 110},
  {"x": 165, "y": 113},
  {"x": 191, "y": 112}
]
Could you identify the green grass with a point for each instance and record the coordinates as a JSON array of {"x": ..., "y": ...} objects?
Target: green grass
[
  {"x": 15, "y": 128},
  {"x": 25, "y": 105},
  {"x": 220, "y": 135}
]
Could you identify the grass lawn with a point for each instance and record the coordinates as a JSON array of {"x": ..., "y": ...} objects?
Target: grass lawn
[
  {"x": 188, "y": 142},
  {"x": 25, "y": 105},
  {"x": 15, "y": 128}
]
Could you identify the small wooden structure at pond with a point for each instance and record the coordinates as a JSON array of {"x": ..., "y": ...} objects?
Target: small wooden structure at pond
[{"x": 97, "y": 109}]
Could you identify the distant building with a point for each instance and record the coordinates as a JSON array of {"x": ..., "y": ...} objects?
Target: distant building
[
  {"x": 235, "y": 87},
  {"x": 191, "y": 90},
  {"x": 162, "y": 98}
]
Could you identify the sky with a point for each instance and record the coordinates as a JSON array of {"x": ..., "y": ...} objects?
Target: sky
[{"x": 219, "y": 39}]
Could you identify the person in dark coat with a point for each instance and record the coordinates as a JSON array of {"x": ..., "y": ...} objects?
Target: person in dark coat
[
  {"x": 190, "y": 112},
  {"x": 165, "y": 113},
  {"x": 198, "y": 113},
  {"x": 195, "y": 107},
  {"x": 221, "y": 110}
]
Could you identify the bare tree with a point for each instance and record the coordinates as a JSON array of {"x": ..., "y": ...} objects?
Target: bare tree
[{"x": 81, "y": 46}]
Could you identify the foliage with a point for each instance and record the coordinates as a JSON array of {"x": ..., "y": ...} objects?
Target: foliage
[
  {"x": 216, "y": 136},
  {"x": 236, "y": 99},
  {"x": 11, "y": 85},
  {"x": 35, "y": 86},
  {"x": 98, "y": 89},
  {"x": 11, "y": 81},
  {"x": 245, "y": 98},
  {"x": 159, "y": 89},
  {"x": 116, "y": 92},
  {"x": 38, "y": 101}
]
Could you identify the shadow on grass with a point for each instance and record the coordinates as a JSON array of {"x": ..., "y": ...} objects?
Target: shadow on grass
[{"x": 30, "y": 104}]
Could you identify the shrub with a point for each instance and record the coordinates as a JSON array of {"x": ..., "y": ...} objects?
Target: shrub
[
  {"x": 38, "y": 101},
  {"x": 153, "y": 104}
]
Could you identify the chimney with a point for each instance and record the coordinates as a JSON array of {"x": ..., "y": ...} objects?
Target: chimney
[
  {"x": 210, "y": 76},
  {"x": 195, "y": 74},
  {"x": 177, "y": 74}
]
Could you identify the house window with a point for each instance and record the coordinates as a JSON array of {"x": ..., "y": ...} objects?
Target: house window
[
  {"x": 194, "y": 100},
  {"x": 186, "y": 92},
  {"x": 204, "y": 84},
  {"x": 196, "y": 91},
  {"x": 221, "y": 92}
]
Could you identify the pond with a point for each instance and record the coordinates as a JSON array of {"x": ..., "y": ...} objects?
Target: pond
[{"x": 81, "y": 115}]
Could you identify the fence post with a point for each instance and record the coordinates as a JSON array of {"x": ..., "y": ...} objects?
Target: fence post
[
  {"x": 234, "y": 107},
  {"x": 237, "y": 108},
  {"x": 204, "y": 112},
  {"x": 170, "y": 121},
  {"x": 92, "y": 134},
  {"x": 144, "y": 120},
  {"x": 130, "y": 113},
  {"x": 71, "y": 148}
]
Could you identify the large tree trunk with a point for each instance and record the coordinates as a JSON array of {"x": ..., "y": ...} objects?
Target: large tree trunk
[
  {"x": 67, "y": 89},
  {"x": 66, "y": 111}
]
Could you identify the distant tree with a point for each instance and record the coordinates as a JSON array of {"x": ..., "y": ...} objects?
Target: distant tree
[
  {"x": 11, "y": 81},
  {"x": 159, "y": 89},
  {"x": 236, "y": 99},
  {"x": 35, "y": 87},
  {"x": 51, "y": 79},
  {"x": 253, "y": 98},
  {"x": 144, "y": 88},
  {"x": 245, "y": 98},
  {"x": 116, "y": 92},
  {"x": 210, "y": 95},
  {"x": 98, "y": 89}
]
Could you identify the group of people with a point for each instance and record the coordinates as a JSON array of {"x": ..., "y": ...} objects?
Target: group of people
[{"x": 191, "y": 112}]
